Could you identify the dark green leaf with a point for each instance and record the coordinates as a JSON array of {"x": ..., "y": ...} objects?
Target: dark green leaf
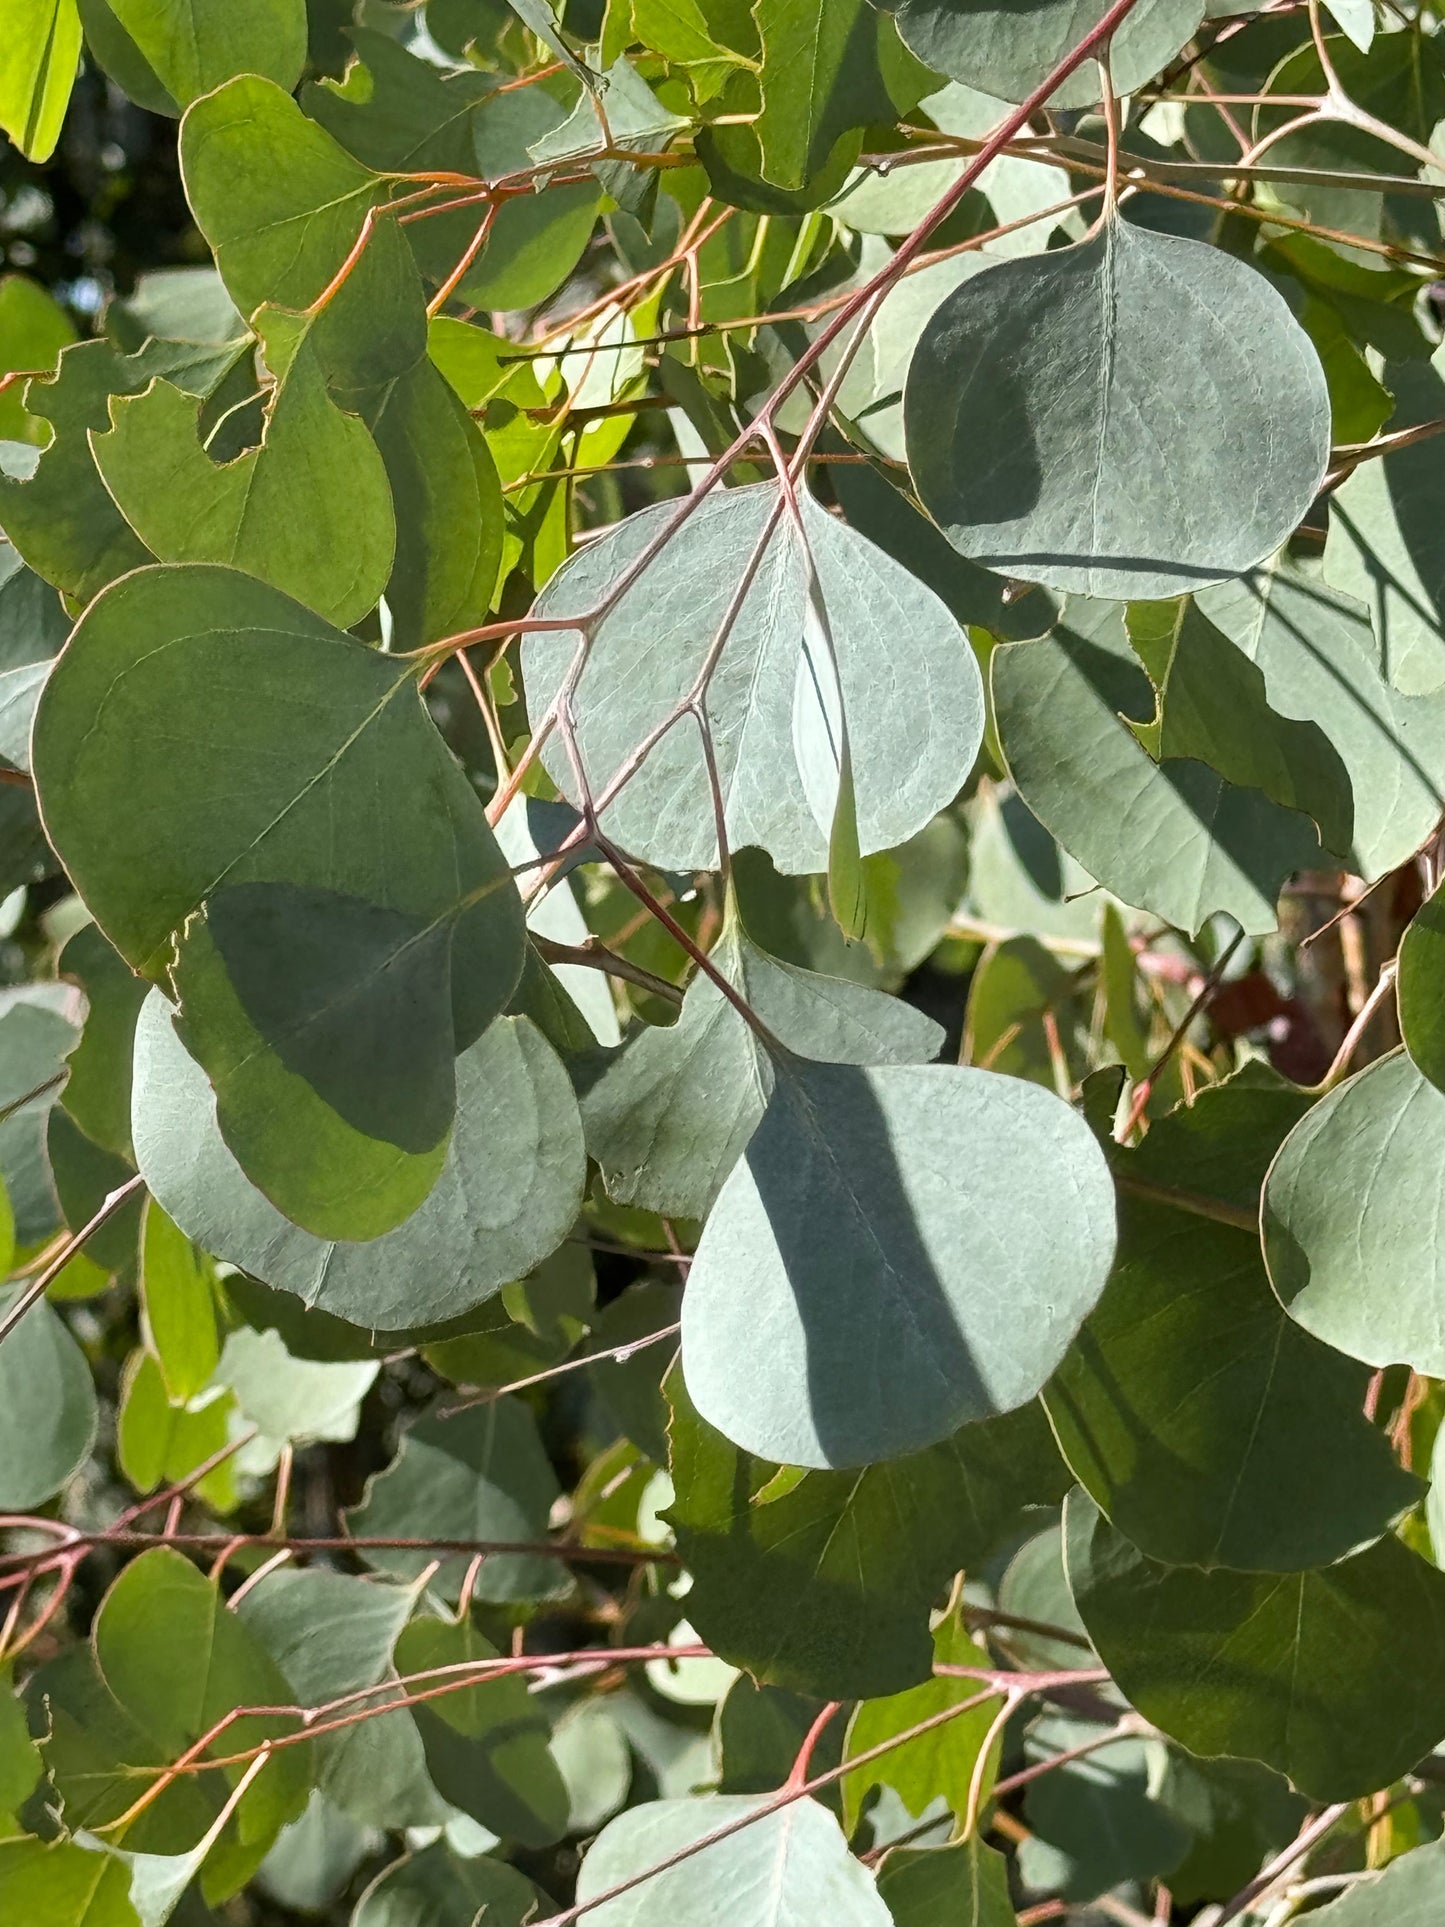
[
  {"x": 1308, "y": 1672},
  {"x": 826, "y": 1588},
  {"x": 480, "y": 1475}
]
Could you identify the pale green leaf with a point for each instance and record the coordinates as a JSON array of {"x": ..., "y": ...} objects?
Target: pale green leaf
[
  {"x": 1409, "y": 1892},
  {"x": 33, "y": 330},
  {"x": 909, "y": 686},
  {"x": 39, "y": 55},
  {"x": 1009, "y": 47},
  {"x": 1349, "y": 1218},
  {"x": 64, "y": 1881},
  {"x": 61, "y": 517},
  {"x": 97, "y": 1091},
  {"x": 332, "y": 1634},
  {"x": 900, "y": 1251},
  {"x": 670, "y": 1115},
  {"x": 789, "y": 1868},
  {"x": 1134, "y": 416},
  {"x": 942, "y": 1763},
  {"x": 1173, "y": 838},
  {"x": 178, "y": 1303},
  {"x": 507, "y": 1195},
  {"x": 1420, "y": 987},
  {"x": 1376, "y": 773}
]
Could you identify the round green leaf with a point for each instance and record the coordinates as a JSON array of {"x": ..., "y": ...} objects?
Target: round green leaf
[
  {"x": 280, "y": 202},
  {"x": 791, "y": 1868},
  {"x": 1133, "y": 417},
  {"x": 481, "y": 1474},
  {"x": 1309, "y": 1672},
  {"x": 1349, "y": 1220},
  {"x": 909, "y": 686},
  {"x": 900, "y": 1251},
  {"x": 437, "y": 1888},
  {"x": 1008, "y": 47},
  {"x": 1172, "y": 837},
  {"x": 507, "y": 1195},
  {"x": 669, "y": 1115},
  {"x": 176, "y": 1662},
  {"x": 1209, "y": 1428},
  {"x": 48, "y": 1413},
  {"x": 332, "y": 978},
  {"x": 164, "y": 53}
]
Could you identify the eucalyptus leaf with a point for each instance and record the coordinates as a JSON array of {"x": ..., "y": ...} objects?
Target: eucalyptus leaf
[
  {"x": 1421, "y": 989},
  {"x": 947, "y": 1762},
  {"x": 169, "y": 1663},
  {"x": 1379, "y": 547},
  {"x": 60, "y": 517},
  {"x": 433, "y": 1887},
  {"x": 506, "y": 1196},
  {"x": 963, "y": 1885},
  {"x": 33, "y": 625},
  {"x": 1348, "y": 1218},
  {"x": 48, "y": 1411},
  {"x": 167, "y": 52},
  {"x": 1007, "y": 48},
  {"x": 909, "y": 688},
  {"x": 476, "y": 1476},
  {"x": 338, "y": 1043},
  {"x": 97, "y": 1090},
  {"x": 308, "y": 510},
  {"x": 783, "y": 1869},
  {"x": 332, "y": 1634},
  {"x": 1209, "y": 1427},
  {"x": 1172, "y": 837},
  {"x": 1407, "y": 1892},
  {"x": 670, "y": 1115},
  {"x": 828, "y": 66},
  {"x": 280, "y": 202},
  {"x": 486, "y": 1746},
  {"x": 853, "y": 1296},
  {"x": 826, "y": 1587},
  {"x": 38, "y": 64},
  {"x": 1374, "y": 750},
  {"x": 1301, "y": 1670},
  {"x": 1135, "y": 416}
]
